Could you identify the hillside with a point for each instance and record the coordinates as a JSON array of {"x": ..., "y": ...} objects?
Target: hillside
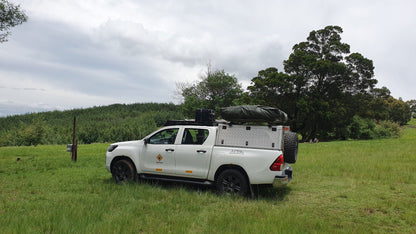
[{"x": 117, "y": 122}]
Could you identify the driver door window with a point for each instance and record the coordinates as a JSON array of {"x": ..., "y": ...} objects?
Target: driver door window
[{"x": 164, "y": 137}]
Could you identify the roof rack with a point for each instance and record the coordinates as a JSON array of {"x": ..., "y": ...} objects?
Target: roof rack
[{"x": 193, "y": 123}]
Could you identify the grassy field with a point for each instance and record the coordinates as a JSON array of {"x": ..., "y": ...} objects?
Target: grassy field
[{"x": 344, "y": 186}]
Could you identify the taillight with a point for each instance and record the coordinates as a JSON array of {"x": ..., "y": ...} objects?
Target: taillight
[{"x": 277, "y": 163}]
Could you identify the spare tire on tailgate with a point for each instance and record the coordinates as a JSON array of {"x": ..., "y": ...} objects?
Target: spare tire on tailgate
[{"x": 290, "y": 147}]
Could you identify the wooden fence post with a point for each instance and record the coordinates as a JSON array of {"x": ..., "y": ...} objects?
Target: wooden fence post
[{"x": 74, "y": 142}]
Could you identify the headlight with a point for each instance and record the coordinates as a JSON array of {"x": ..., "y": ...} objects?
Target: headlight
[{"x": 111, "y": 148}]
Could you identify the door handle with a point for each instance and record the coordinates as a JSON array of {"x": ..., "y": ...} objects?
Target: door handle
[
  {"x": 169, "y": 150},
  {"x": 201, "y": 151}
]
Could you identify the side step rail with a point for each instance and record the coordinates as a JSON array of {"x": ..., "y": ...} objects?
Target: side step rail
[{"x": 172, "y": 179}]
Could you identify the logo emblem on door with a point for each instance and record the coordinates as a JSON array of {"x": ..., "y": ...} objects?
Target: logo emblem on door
[{"x": 159, "y": 157}]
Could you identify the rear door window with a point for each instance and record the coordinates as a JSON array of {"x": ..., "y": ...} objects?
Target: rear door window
[{"x": 193, "y": 136}]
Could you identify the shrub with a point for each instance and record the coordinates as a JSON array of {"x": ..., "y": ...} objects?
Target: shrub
[
  {"x": 362, "y": 128},
  {"x": 386, "y": 128}
]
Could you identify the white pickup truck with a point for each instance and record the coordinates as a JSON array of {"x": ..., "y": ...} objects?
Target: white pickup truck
[{"x": 231, "y": 157}]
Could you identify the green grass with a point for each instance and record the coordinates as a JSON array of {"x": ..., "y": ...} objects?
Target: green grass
[{"x": 344, "y": 186}]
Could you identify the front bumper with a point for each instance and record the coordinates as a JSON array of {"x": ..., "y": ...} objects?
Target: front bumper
[{"x": 285, "y": 178}]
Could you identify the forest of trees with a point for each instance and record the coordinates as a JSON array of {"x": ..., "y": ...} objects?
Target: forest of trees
[
  {"x": 118, "y": 122},
  {"x": 328, "y": 93}
]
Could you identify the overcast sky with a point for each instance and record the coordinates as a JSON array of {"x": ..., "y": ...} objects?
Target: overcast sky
[{"x": 84, "y": 53}]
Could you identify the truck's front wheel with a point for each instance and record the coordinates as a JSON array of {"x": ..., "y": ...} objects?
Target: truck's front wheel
[
  {"x": 232, "y": 181},
  {"x": 123, "y": 171}
]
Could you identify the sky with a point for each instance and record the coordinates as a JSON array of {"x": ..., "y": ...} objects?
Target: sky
[{"x": 84, "y": 53}]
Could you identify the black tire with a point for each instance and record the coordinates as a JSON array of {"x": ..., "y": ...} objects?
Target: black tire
[
  {"x": 290, "y": 150},
  {"x": 233, "y": 182},
  {"x": 123, "y": 171}
]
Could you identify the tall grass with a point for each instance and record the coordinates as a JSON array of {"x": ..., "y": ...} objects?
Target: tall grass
[{"x": 345, "y": 186}]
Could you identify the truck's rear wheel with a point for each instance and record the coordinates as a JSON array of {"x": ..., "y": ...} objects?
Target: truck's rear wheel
[
  {"x": 123, "y": 171},
  {"x": 290, "y": 151},
  {"x": 232, "y": 181}
]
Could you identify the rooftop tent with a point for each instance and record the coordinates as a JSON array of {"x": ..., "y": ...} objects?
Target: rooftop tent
[{"x": 253, "y": 113}]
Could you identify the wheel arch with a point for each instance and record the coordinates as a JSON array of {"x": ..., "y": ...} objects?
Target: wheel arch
[
  {"x": 231, "y": 166},
  {"x": 121, "y": 157}
]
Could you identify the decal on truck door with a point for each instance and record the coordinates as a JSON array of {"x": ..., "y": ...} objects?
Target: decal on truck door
[{"x": 159, "y": 158}]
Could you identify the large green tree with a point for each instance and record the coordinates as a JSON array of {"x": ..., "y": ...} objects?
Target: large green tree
[
  {"x": 214, "y": 90},
  {"x": 322, "y": 85},
  {"x": 10, "y": 16}
]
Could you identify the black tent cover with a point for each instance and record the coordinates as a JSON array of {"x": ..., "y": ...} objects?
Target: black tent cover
[{"x": 253, "y": 113}]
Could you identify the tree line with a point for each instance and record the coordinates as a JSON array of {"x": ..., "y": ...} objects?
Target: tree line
[
  {"x": 118, "y": 122},
  {"x": 327, "y": 91}
]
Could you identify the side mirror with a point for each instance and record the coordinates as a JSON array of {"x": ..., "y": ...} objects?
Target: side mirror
[{"x": 146, "y": 141}]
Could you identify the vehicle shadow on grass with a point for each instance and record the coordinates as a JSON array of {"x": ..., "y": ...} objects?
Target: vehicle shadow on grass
[
  {"x": 165, "y": 185},
  {"x": 260, "y": 192}
]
